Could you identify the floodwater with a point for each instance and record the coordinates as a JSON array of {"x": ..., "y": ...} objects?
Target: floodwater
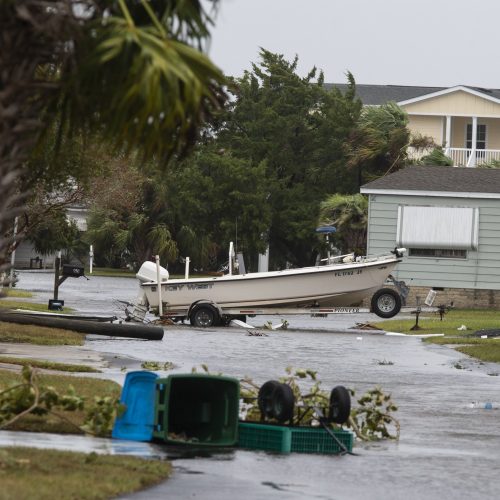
[{"x": 446, "y": 449}]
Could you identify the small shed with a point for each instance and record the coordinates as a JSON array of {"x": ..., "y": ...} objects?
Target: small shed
[{"x": 448, "y": 218}]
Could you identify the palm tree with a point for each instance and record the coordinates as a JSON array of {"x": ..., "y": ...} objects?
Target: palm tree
[
  {"x": 379, "y": 144},
  {"x": 129, "y": 241},
  {"x": 349, "y": 215},
  {"x": 130, "y": 69}
]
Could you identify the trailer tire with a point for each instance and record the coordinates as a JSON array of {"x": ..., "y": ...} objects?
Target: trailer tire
[
  {"x": 276, "y": 400},
  {"x": 386, "y": 303},
  {"x": 340, "y": 405},
  {"x": 204, "y": 316}
]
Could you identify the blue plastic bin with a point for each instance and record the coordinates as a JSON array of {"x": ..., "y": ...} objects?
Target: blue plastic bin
[{"x": 138, "y": 395}]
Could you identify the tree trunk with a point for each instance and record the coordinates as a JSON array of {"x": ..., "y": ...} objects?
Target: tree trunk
[{"x": 31, "y": 35}]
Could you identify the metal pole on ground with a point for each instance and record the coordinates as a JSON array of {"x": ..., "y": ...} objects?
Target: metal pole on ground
[{"x": 186, "y": 271}]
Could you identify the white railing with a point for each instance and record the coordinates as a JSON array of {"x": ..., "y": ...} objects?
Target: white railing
[{"x": 463, "y": 157}]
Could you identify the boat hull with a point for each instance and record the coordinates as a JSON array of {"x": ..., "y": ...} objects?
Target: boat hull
[{"x": 325, "y": 286}]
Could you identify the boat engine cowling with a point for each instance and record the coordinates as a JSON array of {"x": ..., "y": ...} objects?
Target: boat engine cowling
[{"x": 147, "y": 272}]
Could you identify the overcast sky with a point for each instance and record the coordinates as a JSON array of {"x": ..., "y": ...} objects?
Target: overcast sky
[{"x": 398, "y": 42}]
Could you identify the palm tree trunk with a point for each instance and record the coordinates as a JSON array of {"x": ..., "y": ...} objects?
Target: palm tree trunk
[{"x": 30, "y": 35}]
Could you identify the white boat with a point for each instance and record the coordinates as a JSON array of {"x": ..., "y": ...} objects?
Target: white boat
[{"x": 340, "y": 282}]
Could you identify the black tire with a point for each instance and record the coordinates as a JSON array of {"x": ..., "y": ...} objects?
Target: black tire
[
  {"x": 276, "y": 400},
  {"x": 204, "y": 317},
  {"x": 284, "y": 402},
  {"x": 340, "y": 405},
  {"x": 265, "y": 398},
  {"x": 386, "y": 303}
]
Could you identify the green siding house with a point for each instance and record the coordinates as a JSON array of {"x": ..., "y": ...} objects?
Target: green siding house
[{"x": 448, "y": 219}]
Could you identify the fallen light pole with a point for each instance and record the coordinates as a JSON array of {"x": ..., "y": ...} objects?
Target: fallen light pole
[{"x": 145, "y": 332}]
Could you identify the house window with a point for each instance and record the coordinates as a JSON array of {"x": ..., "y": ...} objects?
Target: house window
[
  {"x": 438, "y": 228},
  {"x": 480, "y": 139},
  {"x": 439, "y": 253}
]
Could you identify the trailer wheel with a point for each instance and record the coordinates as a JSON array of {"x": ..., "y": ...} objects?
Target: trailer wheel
[
  {"x": 284, "y": 402},
  {"x": 204, "y": 316},
  {"x": 276, "y": 400},
  {"x": 340, "y": 405},
  {"x": 386, "y": 303}
]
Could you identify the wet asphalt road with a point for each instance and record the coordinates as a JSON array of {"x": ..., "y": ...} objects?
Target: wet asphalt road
[{"x": 446, "y": 450}]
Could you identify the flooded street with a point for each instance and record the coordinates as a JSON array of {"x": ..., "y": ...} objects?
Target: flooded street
[{"x": 446, "y": 450}]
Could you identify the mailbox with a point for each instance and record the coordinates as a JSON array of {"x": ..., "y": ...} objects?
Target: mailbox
[
  {"x": 56, "y": 305},
  {"x": 72, "y": 271}
]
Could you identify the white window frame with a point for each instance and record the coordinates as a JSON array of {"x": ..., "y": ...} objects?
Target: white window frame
[{"x": 467, "y": 140}]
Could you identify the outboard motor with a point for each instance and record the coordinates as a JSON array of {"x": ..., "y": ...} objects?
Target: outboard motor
[{"x": 146, "y": 274}]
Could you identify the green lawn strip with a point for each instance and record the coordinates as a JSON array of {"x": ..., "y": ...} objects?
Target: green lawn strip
[
  {"x": 489, "y": 352},
  {"x": 86, "y": 387},
  {"x": 110, "y": 272},
  {"x": 430, "y": 322},
  {"x": 123, "y": 273},
  {"x": 47, "y": 474},
  {"x": 48, "y": 365},
  {"x": 29, "y": 306},
  {"x": 482, "y": 349},
  {"x": 14, "y": 292},
  {"x": 461, "y": 341},
  {"x": 474, "y": 320},
  {"x": 38, "y": 335}
]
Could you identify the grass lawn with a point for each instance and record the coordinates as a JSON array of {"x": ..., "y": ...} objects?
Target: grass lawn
[
  {"x": 108, "y": 271},
  {"x": 28, "y": 306},
  {"x": 87, "y": 387},
  {"x": 28, "y": 473},
  {"x": 39, "y": 335},
  {"x": 14, "y": 292},
  {"x": 474, "y": 320},
  {"x": 489, "y": 351},
  {"x": 124, "y": 273},
  {"x": 48, "y": 365},
  {"x": 430, "y": 322}
]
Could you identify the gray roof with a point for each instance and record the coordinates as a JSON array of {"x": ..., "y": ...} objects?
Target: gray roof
[
  {"x": 452, "y": 179},
  {"x": 380, "y": 94}
]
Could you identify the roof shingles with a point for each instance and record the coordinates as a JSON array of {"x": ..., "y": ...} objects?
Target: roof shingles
[
  {"x": 442, "y": 179},
  {"x": 380, "y": 94}
]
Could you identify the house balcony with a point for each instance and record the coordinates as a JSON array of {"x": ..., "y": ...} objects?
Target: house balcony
[
  {"x": 466, "y": 157},
  {"x": 462, "y": 157}
]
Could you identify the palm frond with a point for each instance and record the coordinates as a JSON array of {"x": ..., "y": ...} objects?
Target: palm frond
[
  {"x": 148, "y": 89},
  {"x": 162, "y": 242}
]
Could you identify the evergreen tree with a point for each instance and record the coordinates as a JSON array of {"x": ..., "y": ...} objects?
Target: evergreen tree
[{"x": 299, "y": 130}]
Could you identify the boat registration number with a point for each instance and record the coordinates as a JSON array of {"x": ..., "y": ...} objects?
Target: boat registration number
[{"x": 348, "y": 273}]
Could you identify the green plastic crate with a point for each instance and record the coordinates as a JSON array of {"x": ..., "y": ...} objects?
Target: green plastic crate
[
  {"x": 197, "y": 409},
  {"x": 318, "y": 440},
  {"x": 264, "y": 437},
  {"x": 284, "y": 439}
]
